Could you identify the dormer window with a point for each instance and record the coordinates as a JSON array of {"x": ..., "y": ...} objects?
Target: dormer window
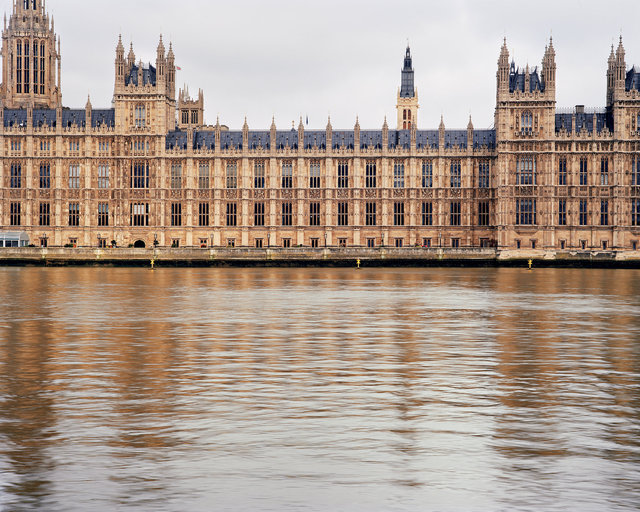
[{"x": 140, "y": 116}]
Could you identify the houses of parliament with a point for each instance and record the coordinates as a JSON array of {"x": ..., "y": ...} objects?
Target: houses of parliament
[{"x": 147, "y": 171}]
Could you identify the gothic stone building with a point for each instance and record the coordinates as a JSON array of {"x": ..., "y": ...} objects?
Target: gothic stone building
[{"x": 149, "y": 172}]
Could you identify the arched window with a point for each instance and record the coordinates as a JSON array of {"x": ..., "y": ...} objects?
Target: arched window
[
  {"x": 527, "y": 123},
  {"x": 409, "y": 115},
  {"x": 140, "y": 116},
  {"x": 638, "y": 122}
]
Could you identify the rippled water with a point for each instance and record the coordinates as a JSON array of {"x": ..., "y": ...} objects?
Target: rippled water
[{"x": 319, "y": 389}]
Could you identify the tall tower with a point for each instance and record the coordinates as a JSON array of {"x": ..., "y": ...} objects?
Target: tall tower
[
  {"x": 31, "y": 61},
  {"x": 407, "y": 105}
]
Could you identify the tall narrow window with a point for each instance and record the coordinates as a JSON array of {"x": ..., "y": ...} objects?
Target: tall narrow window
[
  {"x": 176, "y": 214},
  {"x": 484, "y": 174},
  {"x": 456, "y": 213},
  {"x": 562, "y": 171},
  {"x": 203, "y": 214},
  {"x": 27, "y": 68},
  {"x": 258, "y": 214},
  {"x": 74, "y": 214},
  {"x": 314, "y": 213},
  {"x": 398, "y": 175},
  {"x": 314, "y": 174},
  {"x": 604, "y": 212},
  {"x": 287, "y": 174},
  {"x": 583, "y": 171},
  {"x": 259, "y": 174},
  {"x": 427, "y": 214},
  {"x": 371, "y": 180},
  {"x": 35, "y": 67},
  {"x": 526, "y": 212},
  {"x": 635, "y": 171},
  {"x": 15, "y": 210},
  {"x": 140, "y": 214},
  {"x": 42, "y": 69},
  {"x": 140, "y": 175},
  {"x": 16, "y": 176},
  {"x": 176, "y": 176},
  {"x": 635, "y": 212},
  {"x": 526, "y": 126},
  {"x": 562, "y": 212},
  {"x": 45, "y": 214},
  {"x": 343, "y": 174},
  {"x": 232, "y": 214},
  {"x": 74, "y": 176},
  {"x": 103, "y": 214},
  {"x": 370, "y": 214},
  {"x": 584, "y": 220},
  {"x": 140, "y": 116},
  {"x": 604, "y": 171},
  {"x": 343, "y": 214},
  {"x": 232, "y": 175},
  {"x": 427, "y": 173},
  {"x": 398, "y": 214},
  {"x": 203, "y": 175},
  {"x": 19, "y": 67},
  {"x": 456, "y": 174},
  {"x": 484, "y": 213},
  {"x": 103, "y": 176},
  {"x": 287, "y": 214},
  {"x": 526, "y": 172}
]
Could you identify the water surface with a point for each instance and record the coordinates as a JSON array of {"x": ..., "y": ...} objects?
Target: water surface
[{"x": 319, "y": 389}]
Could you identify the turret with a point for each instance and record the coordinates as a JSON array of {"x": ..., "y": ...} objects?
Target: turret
[
  {"x": 171, "y": 73},
  {"x": 407, "y": 105},
  {"x": 549, "y": 68},
  {"x": 131, "y": 59},
  {"x": 161, "y": 63},
  {"x": 503, "y": 70}
]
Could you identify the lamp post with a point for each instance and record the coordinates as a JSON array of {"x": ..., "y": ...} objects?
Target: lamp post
[
  {"x": 325, "y": 240},
  {"x": 268, "y": 240}
]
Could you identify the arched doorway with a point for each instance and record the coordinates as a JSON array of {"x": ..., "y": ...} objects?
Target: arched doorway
[{"x": 139, "y": 244}]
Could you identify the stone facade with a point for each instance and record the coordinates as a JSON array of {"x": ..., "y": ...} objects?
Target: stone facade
[{"x": 148, "y": 172}]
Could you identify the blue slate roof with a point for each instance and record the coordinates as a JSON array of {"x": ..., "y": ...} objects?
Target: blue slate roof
[
  {"x": 343, "y": 139},
  {"x": 633, "y": 79},
  {"x": 103, "y": 116},
  {"x": 399, "y": 139},
  {"x": 231, "y": 140},
  {"x": 287, "y": 140},
  {"x": 15, "y": 117},
  {"x": 455, "y": 138},
  {"x": 584, "y": 121},
  {"x": 260, "y": 140},
  {"x": 204, "y": 140},
  {"x": 371, "y": 139},
  {"x": 426, "y": 139},
  {"x": 44, "y": 118},
  {"x": 71, "y": 117},
  {"x": 148, "y": 75},
  {"x": 177, "y": 140},
  {"x": 483, "y": 138},
  {"x": 315, "y": 139},
  {"x": 517, "y": 80}
]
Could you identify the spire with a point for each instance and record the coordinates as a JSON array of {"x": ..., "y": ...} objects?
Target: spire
[
  {"x": 245, "y": 126},
  {"x": 470, "y": 125},
  {"x": 407, "y": 89},
  {"x": 161, "y": 49},
  {"x": 131, "y": 58}
]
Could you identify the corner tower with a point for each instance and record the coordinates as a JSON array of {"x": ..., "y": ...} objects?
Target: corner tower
[
  {"x": 31, "y": 62},
  {"x": 407, "y": 105}
]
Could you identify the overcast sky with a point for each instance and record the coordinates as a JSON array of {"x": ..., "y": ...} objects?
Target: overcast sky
[{"x": 292, "y": 58}]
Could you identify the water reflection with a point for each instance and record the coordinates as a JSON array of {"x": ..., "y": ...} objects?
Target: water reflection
[{"x": 319, "y": 389}]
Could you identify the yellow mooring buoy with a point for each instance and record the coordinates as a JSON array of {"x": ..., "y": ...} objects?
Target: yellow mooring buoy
[{"x": 530, "y": 264}]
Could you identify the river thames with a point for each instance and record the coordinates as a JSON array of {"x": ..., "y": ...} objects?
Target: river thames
[{"x": 319, "y": 390}]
